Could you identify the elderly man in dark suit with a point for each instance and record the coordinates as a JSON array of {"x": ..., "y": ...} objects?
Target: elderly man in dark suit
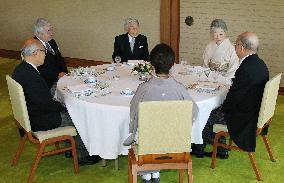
[
  {"x": 131, "y": 45},
  {"x": 44, "y": 112},
  {"x": 54, "y": 66},
  {"x": 242, "y": 104}
]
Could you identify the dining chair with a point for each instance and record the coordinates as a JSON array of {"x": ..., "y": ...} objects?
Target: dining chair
[
  {"x": 264, "y": 120},
  {"x": 41, "y": 138},
  {"x": 164, "y": 139}
]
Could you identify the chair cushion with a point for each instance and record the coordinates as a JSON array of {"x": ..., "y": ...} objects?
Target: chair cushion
[
  {"x": 218, "y": 128},
  {"x": 60, "y": 131}
]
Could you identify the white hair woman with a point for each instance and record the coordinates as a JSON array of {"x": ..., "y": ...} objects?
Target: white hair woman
[{"x": 220, "y": 54}]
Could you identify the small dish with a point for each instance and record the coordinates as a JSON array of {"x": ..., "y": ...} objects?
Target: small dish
[
  {"x": 110, "y": 68},
  {"x": 127, "y": 92},
  {"x": 91, "y": 80}
]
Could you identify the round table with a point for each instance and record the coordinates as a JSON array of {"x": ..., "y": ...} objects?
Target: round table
[{"x": 103, "y": 121}]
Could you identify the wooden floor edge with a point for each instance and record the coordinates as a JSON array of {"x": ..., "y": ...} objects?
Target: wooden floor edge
[
  {"x": 70, "y": 62},
  {"x": 73, "y": 62}
]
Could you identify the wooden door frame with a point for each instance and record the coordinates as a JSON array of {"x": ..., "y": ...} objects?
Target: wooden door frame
[{"x": 170, "y": 24}]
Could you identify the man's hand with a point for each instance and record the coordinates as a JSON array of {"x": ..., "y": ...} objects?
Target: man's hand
[{"x": 61, "y": 74}]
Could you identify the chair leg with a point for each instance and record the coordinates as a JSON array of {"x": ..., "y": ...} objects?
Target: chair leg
[
  {"x": 189, "y": 172},
  {"x": 253, "y": 163},
  {"x": 19, "y": 150},
  {"x": 181, "y": 175},
  {"x": 35, "y": 165},
  {"x": 74, "y": 154},
  {"x": 56, "y": 145},
  {"x": 214, "y": 154},
  {"x": 268, "y": 148},
  {"x": 130, "y": 176},
  {"x": 134, "y": 173}
]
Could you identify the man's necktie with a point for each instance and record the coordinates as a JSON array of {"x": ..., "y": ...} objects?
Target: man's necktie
[
  {"x": 132, "y": 42},
  {"x": 48, "y": 47}
]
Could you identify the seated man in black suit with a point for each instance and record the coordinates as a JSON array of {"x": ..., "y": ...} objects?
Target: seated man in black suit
[
  {"x": 131, "y": 45},
  {"x": 54, "y": 66},
  {"x": 44, "y": 112},
  {"x": 241, "y": 107}
]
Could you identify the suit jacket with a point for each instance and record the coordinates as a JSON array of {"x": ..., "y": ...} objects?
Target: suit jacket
[
  {"x": 122, "y": 48},
  {"x": 53, "y": 65},
  {"x": 242, "y": 104},
  {"x": 44, "y": 112}
]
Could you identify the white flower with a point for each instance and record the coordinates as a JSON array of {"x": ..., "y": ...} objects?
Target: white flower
[{"x": 135, "y": 72}]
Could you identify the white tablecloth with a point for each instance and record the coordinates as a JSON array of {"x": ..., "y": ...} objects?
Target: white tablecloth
[{"x": 103, "y": 121}]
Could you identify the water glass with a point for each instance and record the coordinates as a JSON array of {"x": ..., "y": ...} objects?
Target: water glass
[
  {"x": 183, "y": 61},
  {"x": 117, "y": 60}
]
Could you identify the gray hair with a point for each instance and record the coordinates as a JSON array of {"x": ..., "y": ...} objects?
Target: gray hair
[
  {"x": 130, "y": 20},
  {"x": 218, "y": 23},
  {"x": 29, "y": 50},
  {"x": 249, "y": 41},
  {"x": 39, "y": 24}
]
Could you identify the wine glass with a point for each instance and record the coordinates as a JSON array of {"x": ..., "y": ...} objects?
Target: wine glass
[
  {"x": 207, "y": 73},
  {"x": 215, "y": 75},
  {"x": 117, "y": 60},
  {"x": 183, "y": 61}
]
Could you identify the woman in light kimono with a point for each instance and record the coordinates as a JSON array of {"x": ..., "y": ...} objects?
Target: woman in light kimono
[
  {"x": 220, "y": 54},
  {"x": 160, "y": 87}
]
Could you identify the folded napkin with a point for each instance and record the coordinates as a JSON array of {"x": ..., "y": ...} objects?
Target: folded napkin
[
  {"x": 133, "y": 62},
  {"x": 197, "y": 69},
  {"x": 79, "y": 88},
  {"x": 207, "y": 86}
]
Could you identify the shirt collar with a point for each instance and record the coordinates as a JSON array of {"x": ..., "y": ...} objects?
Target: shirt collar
[
  {"x": 41, "y": 42},
  {"x": 130, "y": 38},
  {"x": 242, "y": 59},
  {"x": 35, "y": 67}
]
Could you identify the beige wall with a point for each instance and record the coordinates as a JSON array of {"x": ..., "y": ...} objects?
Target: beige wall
[
  {"x": 83, "y": 29},
  {"x": 266, "y": 18}
]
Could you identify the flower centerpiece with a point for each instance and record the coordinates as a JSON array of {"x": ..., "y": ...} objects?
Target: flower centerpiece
[{"x": 143, "y": 69}]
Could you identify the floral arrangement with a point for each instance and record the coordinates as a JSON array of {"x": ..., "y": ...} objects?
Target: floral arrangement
[{"x": 142, "y": 68}]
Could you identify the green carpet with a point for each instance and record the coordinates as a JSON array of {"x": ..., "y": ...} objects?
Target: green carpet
[{"x": 56, "y": 169}]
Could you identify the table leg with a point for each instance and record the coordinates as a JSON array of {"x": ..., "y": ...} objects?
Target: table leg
[{"x": 103, "y": 162}]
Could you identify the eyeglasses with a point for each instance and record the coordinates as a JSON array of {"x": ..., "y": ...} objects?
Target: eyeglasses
[
  {"x": 237, "y": 44},
  {"x": 43, "y": 50}
]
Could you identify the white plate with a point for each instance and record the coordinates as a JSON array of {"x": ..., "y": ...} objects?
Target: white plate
[{"x": 207, "y": 86}]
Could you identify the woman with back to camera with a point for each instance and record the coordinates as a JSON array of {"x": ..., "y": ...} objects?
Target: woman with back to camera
[{"x": 161, "y": 86}]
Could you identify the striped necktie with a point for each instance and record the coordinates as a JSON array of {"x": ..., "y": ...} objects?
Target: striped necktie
[
  {"x": 48, "y": 47},
  {"x": 132, "y": 42}
]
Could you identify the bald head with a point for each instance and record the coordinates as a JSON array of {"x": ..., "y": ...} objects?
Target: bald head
[
  {"x": 33, "y": 52},
  {"x": 249, "y": 41}
]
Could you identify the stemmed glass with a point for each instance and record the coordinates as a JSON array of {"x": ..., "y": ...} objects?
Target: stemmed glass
[
  {"x": 207, "y": 73},
  {"x": 215, "y": 75},
  {"x": 183, "y": 61},
  {"x": 117, "y": 60}
]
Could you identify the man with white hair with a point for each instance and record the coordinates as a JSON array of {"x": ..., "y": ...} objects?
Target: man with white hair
[
  {"x": 54, "y": 66},
  {"x": 44, "y": 112},
  {"x": 242, "y": 104},
  {"x": 131, "y": 45}
]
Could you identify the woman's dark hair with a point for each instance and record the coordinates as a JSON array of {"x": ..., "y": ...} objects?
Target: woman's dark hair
[{"x": 162, "y": 58}]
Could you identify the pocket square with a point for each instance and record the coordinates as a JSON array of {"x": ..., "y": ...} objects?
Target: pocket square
[{"x": 140, "y": 46}]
